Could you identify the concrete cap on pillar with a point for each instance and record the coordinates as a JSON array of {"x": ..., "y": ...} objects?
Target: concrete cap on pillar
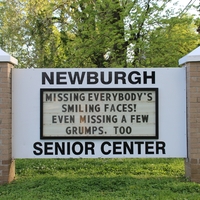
[
  {"x": 193, "y": 56},
  {"x": 5, "y": 57}
]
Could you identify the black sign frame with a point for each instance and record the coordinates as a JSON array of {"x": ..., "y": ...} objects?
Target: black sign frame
[{"x": 155, "y": 136}]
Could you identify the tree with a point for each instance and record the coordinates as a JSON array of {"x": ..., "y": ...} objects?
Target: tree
[
  {"x": 170, "y": 42},
  {"x": 95, "y": 33}
]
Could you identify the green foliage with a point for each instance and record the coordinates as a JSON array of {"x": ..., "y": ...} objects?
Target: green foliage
[
  {"x": 100, "y": 179},
  {"x": 177, "y": 39},
  {"x": 95, "y": 33}
]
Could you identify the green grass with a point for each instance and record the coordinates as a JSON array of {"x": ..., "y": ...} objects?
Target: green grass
[{"x": 104, "y": 179}]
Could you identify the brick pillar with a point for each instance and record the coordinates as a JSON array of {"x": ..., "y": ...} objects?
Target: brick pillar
[
  {"x": 192, "y": 162},
  {"x": 7, "y": 164}
]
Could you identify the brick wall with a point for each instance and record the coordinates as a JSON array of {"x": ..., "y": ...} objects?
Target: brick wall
[
  {"x": 7, "y": 165},
  {"x": 192, "y": 163}
]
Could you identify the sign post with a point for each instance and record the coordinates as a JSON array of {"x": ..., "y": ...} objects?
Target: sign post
[
  {"x": 192, "y": 163},
  {"x": 7, "y": 164}
]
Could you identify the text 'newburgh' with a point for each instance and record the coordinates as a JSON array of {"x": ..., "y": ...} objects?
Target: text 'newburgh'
[{"x": 92, "y": 77}]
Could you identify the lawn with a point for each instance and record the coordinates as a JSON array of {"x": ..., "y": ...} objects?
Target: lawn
[{"x": 104, "y": 179}]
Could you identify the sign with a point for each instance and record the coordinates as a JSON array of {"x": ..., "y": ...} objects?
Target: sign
[
  {"x": 99, "y": 113},
  {"x": 90, "y": 113}
]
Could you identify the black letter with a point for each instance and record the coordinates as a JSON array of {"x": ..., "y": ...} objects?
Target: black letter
[
  {"x": 47, "y": 146},
  {"x": 150, "y": 96},
  {"x": 37, "y": 146},
  {"x": 59, "y": 77},
  {"x": 129, "y": 148},
  {"x": 74, "y": 148},
  {"x": 76, "y": 77},
  {"x": 61, "y": 149},
  {"x": 115, "y": 147},
  {"x": 87, "y": 148},
  {"x": 64, "y": 109},
  {"x": 46, "y": 77},
  {"x": 49, "y": 97},
  {"x": 137, "y": 80},
  {"x": 102, "y": 148},
  {"x": 152, "y": 77},
  {"x": 118, "y": 77},
  {"x": 92, "y": 76},
  {"x": 109, "y": 78},
  {"x": 148, "y": 147},
  {"x": 139, "y": 146},
  {"x": 162, "y": 147}
]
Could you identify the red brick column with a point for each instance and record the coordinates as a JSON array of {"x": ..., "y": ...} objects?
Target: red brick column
[
  {"x": 7, "y": 164},
  {"x": 192, "y": 162}
]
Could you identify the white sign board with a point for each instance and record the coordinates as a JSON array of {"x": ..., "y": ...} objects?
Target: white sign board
[{"x": 63, "y": 113}]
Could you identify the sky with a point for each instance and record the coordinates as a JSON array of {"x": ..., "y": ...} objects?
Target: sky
[{"x": 183, "y": 3}]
